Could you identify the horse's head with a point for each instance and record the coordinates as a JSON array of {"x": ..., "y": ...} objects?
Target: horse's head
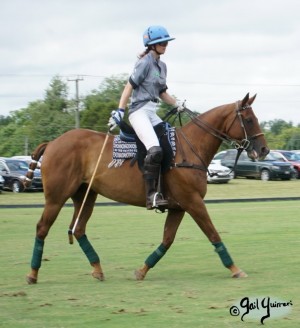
[{"x": 245, "y": 129}]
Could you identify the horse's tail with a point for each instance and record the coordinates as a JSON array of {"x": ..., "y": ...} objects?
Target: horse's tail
[{"x": 35, "y": 156}]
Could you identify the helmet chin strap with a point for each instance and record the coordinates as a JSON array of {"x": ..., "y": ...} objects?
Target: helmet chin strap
[{"x": 154, "y": 49}]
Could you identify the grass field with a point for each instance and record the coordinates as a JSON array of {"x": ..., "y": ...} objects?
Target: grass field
[{"x": 189, "y": 287}]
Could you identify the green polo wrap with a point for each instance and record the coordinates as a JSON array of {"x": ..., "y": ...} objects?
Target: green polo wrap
[
  {"x": 88, "y": 249},
  {"x": 37, "y": 253},
  {"x": 224, "y": 255},
  {"x": 156, "y": 256}
]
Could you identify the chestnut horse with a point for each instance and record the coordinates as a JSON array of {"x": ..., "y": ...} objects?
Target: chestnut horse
[{"x": 71, "y": 158}]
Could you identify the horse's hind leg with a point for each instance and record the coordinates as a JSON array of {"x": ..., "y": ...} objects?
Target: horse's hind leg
[
  {"x": 43, "y": 226},
  {"x": 80, "y": 229},
  {"x": 172, "y": 223}
]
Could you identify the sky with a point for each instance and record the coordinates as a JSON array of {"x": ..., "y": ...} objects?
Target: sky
[{"x": 223, "y": 49}]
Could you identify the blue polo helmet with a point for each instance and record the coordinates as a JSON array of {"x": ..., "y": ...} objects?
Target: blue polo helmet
[{"x": 155, "y": 34}]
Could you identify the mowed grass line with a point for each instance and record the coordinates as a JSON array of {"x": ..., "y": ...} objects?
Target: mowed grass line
[
  {"x": 235, "y": 189},
  {"x": 188, "y": 287}
]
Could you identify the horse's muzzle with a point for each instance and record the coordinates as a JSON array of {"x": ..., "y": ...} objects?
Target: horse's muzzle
[{"x": 253, "y": 154}]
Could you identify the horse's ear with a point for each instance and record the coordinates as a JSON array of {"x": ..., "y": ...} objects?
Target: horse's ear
[
  {"x": 245, "y": 100},
  {"x": 250, "y": 102}
]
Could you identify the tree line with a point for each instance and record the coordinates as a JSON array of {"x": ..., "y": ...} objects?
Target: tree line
[{"x": 46, "y": 119}]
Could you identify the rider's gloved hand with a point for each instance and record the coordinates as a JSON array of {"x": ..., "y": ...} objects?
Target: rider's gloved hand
[
  {"x": 180, "y": 105},
  {"x": 116, "y": 118}
]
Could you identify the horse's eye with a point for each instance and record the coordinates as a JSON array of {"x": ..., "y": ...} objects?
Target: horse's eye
[{"x": 249, "y": 120}]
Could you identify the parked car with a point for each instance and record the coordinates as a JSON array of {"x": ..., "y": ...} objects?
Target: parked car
[
  {"x": 267, "y": 169},
  {"x": 218, "y": 157},
  {"x": 13, "y": 171},
  {"x": 1, "y": 183},
  {"x": 288, "y": 156},
  {"x": 219, "y": 173},
  {"x": 27, "y": 159}
]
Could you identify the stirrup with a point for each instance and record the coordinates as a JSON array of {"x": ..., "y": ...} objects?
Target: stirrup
[
  {"x": 158, "y": 200},
  {"x": 158, "y": 203}
]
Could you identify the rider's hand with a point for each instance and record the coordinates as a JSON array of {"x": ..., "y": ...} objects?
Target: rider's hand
[
  {"x": 116, "y": 118},
  {"x": 180, "y": 105}
]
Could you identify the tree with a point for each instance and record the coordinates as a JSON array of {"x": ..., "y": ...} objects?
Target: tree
[
  {"x": 277, "y": 126},
  {"x": 294, "y": 141},
  {"x": 12, "y": 142},
  {"x": 5, "y": 120},
  {"x": 56, "y": 97},
  {"x": 40, "y": 121},
  {"x": 31, "y": 126},
  {"x": 47, "y": 124},
  {"x": 100, "y": 103},
  {"x": 281, "y": 134}
]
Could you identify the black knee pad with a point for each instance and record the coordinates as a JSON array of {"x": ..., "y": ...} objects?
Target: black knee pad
[{"x": 154, "y": 155}]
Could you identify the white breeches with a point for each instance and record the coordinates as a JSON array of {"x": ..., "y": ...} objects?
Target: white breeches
[{"x": 142, "y": 121}]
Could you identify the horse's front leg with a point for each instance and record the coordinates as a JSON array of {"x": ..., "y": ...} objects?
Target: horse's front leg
[
  {"x": 201, "y": 217},
  {"x": 172, "y": 223}
]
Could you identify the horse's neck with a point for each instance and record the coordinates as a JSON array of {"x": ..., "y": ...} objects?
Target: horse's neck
[{"x": 206, "y": 143}]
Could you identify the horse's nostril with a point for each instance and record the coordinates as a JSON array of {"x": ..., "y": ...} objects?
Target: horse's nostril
[{"x": 265, "y": 150}]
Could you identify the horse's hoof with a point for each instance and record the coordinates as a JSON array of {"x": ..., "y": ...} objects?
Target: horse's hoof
[
  {"x": 98, "y": 275},
  {"x": 240, "y": 274},
  {"x": 31, "y": 280},
  {"x": 139, "y": 275}
]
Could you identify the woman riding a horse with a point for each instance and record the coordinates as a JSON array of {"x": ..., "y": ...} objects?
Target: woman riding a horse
[{"x": 146, "y": 85}]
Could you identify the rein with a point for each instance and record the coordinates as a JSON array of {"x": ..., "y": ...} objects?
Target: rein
[
  {"x": 240, "y": 145},
  {"x": 244, "y": 143}
]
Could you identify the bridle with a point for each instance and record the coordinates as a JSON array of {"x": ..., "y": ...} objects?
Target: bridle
[
  {"x": 244, "y": 143},
  {"x": 240, "y": 145}
]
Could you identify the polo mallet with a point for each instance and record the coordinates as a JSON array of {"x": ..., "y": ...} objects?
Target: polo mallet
[{"x": 71, "y": 233}]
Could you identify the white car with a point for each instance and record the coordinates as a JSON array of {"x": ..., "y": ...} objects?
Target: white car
[
  {"x": 218, "y": 157},
  {"x": 27, "y": 159},
  {"x": 218, "y": 173},
  {"x": 1, "y": 183}
]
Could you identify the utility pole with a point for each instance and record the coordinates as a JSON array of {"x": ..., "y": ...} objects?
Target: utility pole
[{"x": 77, "y": 120}]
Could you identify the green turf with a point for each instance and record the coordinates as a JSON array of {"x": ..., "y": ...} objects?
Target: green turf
[{"x": 189, "y": 287}]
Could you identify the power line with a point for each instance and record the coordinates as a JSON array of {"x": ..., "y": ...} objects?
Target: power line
[{"x": 170, "y": 81}]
